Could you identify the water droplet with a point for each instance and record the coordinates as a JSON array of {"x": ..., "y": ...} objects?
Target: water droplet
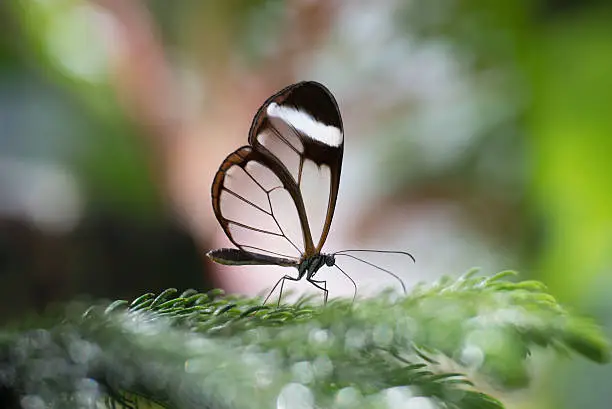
[
  {"x": 397, "y": 397},
  {"x": 318, "y": 337},
  {"x": 302, "y": 372},
  {"x": 32, "y": 402},
  {"x": 82, "y": 351},
  {"x": 264, "y": 377},
  {"x": 323, "y": 366},
  {"x": 354, "y": 339},
  {"x": 295, "y": 396},
  {"x": 472, "y": 356},
  {"x": 348, "y": 397},
  {"x": 420, "y": 402}
]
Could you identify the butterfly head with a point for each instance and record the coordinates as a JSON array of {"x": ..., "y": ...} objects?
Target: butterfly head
[{"x": 330, "y": 260}]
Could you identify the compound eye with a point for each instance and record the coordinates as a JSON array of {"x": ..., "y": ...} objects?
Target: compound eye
[{"x": 330, "y": 261}]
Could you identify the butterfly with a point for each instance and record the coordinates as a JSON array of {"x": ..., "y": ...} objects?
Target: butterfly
[{"x": 297, "y": 133}]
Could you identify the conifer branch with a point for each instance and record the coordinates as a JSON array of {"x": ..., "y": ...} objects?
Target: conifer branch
[{"x": 193, "y": 350}]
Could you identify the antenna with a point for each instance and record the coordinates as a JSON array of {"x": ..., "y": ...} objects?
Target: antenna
[{"x": 343, "y": 253}]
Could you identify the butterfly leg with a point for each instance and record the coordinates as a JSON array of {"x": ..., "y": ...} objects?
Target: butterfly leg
[
  {"x": 282, "y": 283},
  {"x": 324, "y": 288}
]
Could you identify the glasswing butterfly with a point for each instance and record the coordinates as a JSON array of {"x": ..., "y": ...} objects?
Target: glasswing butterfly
[{"x": 296, "y": 134}]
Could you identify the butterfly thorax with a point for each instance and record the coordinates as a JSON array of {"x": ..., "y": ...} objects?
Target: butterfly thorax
[{"x": 310, "y": 265}]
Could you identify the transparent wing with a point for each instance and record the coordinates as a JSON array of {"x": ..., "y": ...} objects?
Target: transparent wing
[
  {"x": 254, "y": 207},
  {"x": 300, "y": 129}
]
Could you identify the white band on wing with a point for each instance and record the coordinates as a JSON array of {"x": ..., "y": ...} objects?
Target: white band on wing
[{"x": 300, "y": 120}]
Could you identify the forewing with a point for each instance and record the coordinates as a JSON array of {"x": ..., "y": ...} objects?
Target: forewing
[{"x": 300, "y": 130}]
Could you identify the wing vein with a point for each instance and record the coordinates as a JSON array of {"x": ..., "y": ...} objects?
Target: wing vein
[
  {"x": 280, "y": 228},
  {"x": 246, "y": 201},
  {"x": 282, "y": 138},
  {"x": 254, "y": 228},
  {"x": 270, "y": 251},
  {"x": 254, "y": 180},
  {"x": 299, "y": 181}
]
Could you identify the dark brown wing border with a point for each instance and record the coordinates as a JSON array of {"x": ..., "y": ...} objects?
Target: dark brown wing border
[{"x": 241, "y": 157}]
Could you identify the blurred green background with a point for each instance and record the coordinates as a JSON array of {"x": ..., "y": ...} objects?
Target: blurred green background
[{"x": 479, "y": 133}]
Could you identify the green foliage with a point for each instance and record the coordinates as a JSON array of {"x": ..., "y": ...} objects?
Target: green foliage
[{"x": 189, "y": 349}]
